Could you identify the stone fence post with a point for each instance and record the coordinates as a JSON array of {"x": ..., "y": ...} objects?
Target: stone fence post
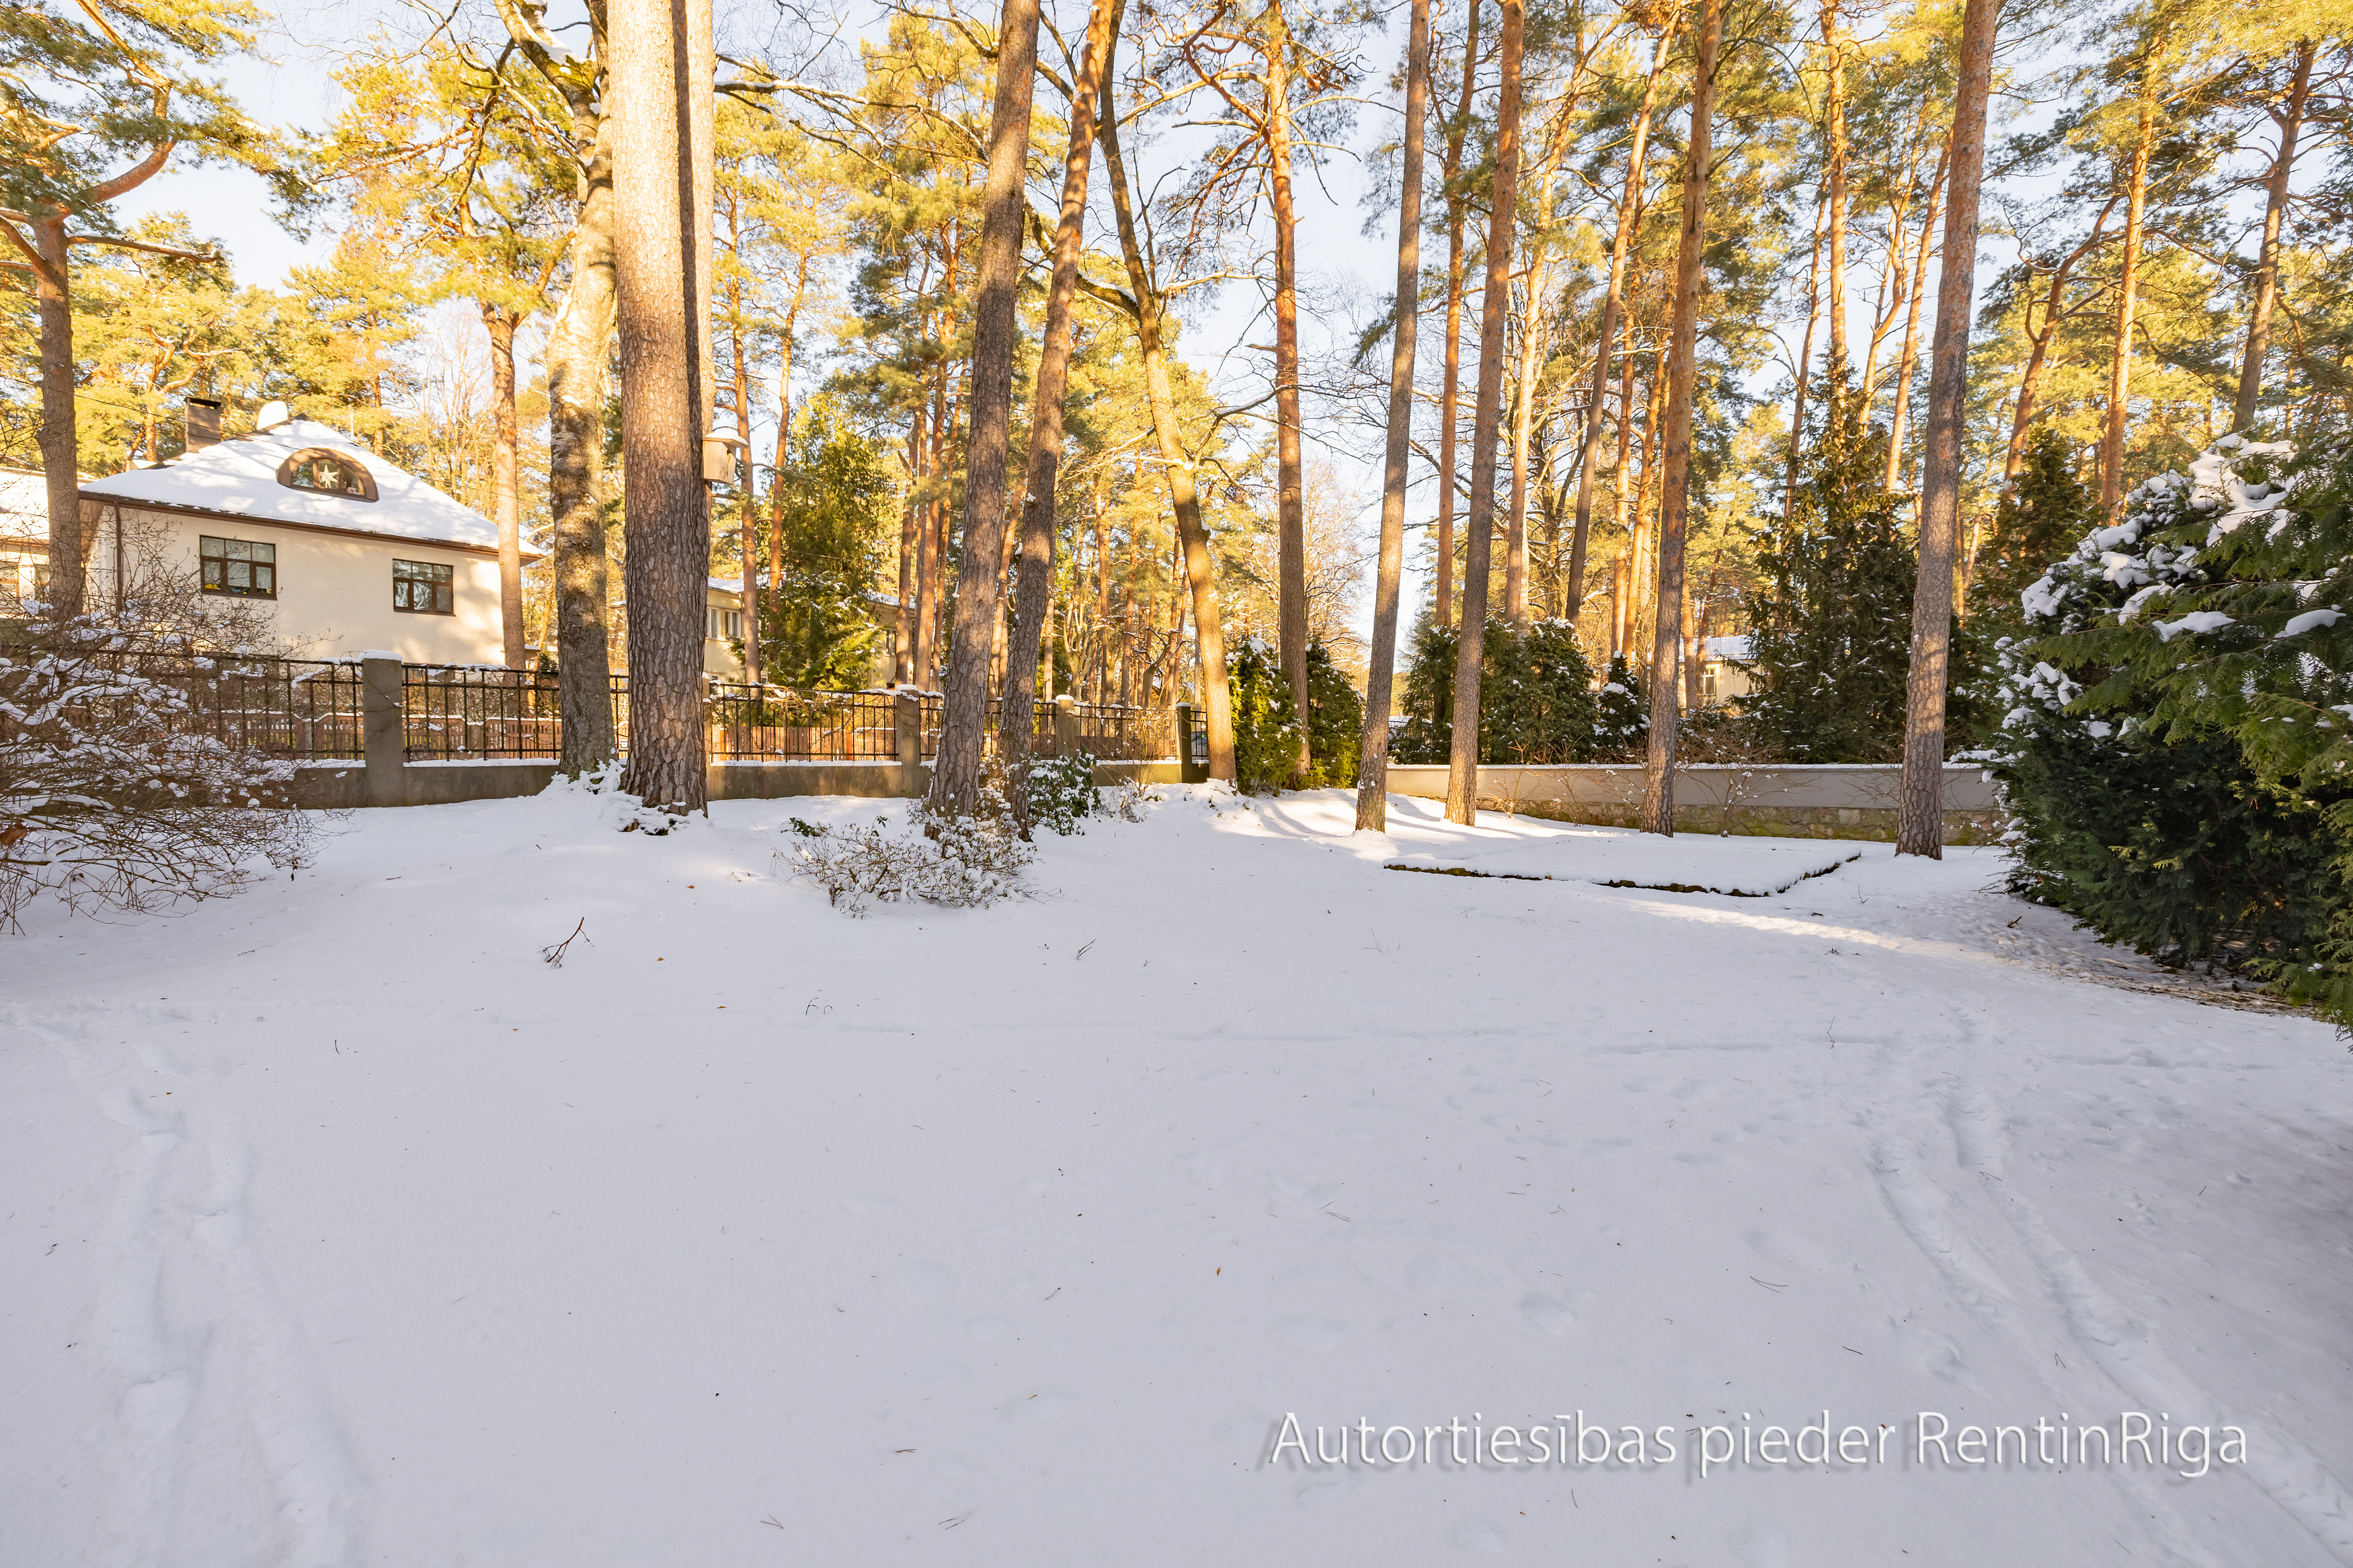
[
  {"x": 382, "y": 730},
  {"x": 907, "y": 718},
  {"x": 1066, "y": 726}
]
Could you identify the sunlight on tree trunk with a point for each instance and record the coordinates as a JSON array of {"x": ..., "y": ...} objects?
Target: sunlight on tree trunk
[
  {"x": 1479, "y": 524},
  {"x": 2267, "y": 266},
  {"x": 1675, "y": 487},
  {"x": 957, "y": 775},
  {"x": 1380, "y": 674},
  {"x": 1920, "y": 823}
]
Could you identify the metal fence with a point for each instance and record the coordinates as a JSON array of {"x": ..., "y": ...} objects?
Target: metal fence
[
  {"x": 746, "y": 723},
  {"x": 314, "y": 711},
  {"x": 467, "y": 712},
  {"x": 299, "y": 709}
]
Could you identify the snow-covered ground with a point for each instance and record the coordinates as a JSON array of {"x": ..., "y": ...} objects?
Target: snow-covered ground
[{"x": 340, "y": 1229}]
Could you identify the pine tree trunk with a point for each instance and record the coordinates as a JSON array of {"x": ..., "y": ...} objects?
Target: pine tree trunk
[
  {"x": 2111, "y": 442},
  {"x": 578, "y": 346},
  {"x": 660, "y": 229},
  {"x": 1621, "y": 570},
  {"x": 1450, "y": 385},
  {"x": 1675, "y": 487},
  {"x": 1289, "y": 490},
  {"x": 1380, "y": 675},
  {"x": 1908, "y": 360},
  {"x": 60, "y": 441},
  {"x": 903, "y": 664},
  {"x": 956, "y": 776},
  {"x": 1805, "y": 367},
  {"x": 1515, "y": 524},
  {"x": 504, "y": 502},
  {"x": 1479, "y": 524},
  {"x": 1920, "y": 821},
  {"x": 1146, "y": 308},
  {"x": 2037, "y": 359},
  {"x": 1034, "y": 576},
  {"x": 1834, "y": 46},
  {"x": 2276, "y": 194},
  {"x": 1629, "y": 206},
  {"x": 928, "y": 565}
]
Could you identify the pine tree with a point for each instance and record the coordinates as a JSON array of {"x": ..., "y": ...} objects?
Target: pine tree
[
  {"x": 833, "y": 505},
  {"x": 1831, "y": 613}
]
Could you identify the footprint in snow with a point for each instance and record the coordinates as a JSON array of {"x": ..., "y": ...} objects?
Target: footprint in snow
[{"x": 1316, "y": 1334}]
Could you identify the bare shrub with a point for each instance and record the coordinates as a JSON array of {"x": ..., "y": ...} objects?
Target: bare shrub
[
  {"x": 961, "y": 862},
  {"x": 113, "y": 798}
]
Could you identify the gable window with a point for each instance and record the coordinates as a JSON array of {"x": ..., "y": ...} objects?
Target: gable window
[
  {"x": 329, "y": 473},
  {"x": 239, "y": 568},
  {"x": 423, "y": 588}
]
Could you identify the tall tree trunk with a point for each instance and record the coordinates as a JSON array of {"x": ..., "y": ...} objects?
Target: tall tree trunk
[
  {"x": 1905, "y": 290},
  {"x": 928, "y": 564},
  {"x": 1834, "y": 47},
  {"x": 748, "y": 547},
  {"x": 662, "y": 228},
  {"x": 2275, "y": 193},
  {"x": 1629, "y": 206},
  {"x": 1621, "y": 570},
  {"x": 1290, "y": 491},
  {"x": 505, "y": 511},
  {"x": 579, "y": 344},
  {"x": 1145, "y": 307},
  {"x": 60, "y": 441},
  {"x": 956, "y": 776},
  {"x": 910, "y": 549},
  {"x": 1516, "y": 517},
  {"x": 1450, "y": 387},
  {"x": 1463, "y": 771},
  {"x": 1034, "y": 578},
  {"x": 2111, "y": 442},
  {"x": 1675, "y": 488},
  {"x": 1920, "y": 819},
  {"x": 1805, "y": 368},
  {"x": 2037, "y": 359},
  {"x": 1380, "y": 672},
  {"x": 1908, "y": 360}
]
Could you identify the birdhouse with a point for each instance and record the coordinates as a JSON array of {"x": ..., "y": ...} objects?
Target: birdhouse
[{"x": 723, "y": 456}]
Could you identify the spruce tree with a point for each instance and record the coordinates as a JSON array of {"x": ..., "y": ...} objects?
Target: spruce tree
[
  {"x": 1623, "y": 724},
  {"x": 1831, "y": 612},
  {"x": 2042, "y": 513}
]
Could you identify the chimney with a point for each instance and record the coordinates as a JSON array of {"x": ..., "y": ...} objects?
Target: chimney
[{"x": 202, "y": 414}]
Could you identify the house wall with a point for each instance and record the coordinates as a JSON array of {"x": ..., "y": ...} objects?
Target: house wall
[{"x": 334, "y": 590}]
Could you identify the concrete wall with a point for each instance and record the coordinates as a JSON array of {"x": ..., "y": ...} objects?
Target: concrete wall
[
  {"x": 1819, "y": 800},
  {"x": 345, "y": 787},
  {"x": 334, "y": 590}
]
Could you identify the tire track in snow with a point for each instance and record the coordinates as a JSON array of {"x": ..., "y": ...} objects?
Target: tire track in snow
[
  {"x": 183, "y": 1188},
  {"x": 2126, "y": 1349},
  {"x": 1925, "y": 1211}
]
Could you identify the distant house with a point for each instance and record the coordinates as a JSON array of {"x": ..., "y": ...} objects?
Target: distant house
[
  {"x": 349, "y": 552},
  {"x": 1719, "y": 680},
  {"x": 723, "y": 628}
]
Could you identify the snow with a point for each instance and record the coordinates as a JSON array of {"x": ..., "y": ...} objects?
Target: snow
[
  {"x": 239, "y": 478},
  {"x": 2299, "y": 625},
  {"x": 343, "y": 1229}
]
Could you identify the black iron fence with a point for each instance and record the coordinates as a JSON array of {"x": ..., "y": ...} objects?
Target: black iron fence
[
  {"x": 300, "y": 710},
  {"x": 315, "y": 710},
  {"x": 467, "y": 712}
]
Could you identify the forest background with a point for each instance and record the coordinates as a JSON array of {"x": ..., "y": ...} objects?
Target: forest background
[{"x": 2165, "y": 189}]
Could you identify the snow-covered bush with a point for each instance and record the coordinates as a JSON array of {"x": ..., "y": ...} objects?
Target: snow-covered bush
[
  {"x": 961, "y": 862},
  {"x": 113, "y": 795},
  {"x": 1266, "y": 721},
  {"x": 1062, "y": 791},
  {"x": 2167, "y": 725}
]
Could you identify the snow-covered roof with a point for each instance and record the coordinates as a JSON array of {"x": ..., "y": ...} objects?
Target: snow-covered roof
[
  {"x": 1738, "y": 648},
  {"x": 239, "y": 477}
]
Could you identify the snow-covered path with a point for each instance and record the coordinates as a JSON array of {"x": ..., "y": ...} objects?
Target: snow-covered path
[{"x": 340, "y": 1229}]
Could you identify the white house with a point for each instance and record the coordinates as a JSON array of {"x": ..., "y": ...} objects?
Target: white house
[
  {"x": 350, "y": 551},
  {"x": 1720, "y": 681}
]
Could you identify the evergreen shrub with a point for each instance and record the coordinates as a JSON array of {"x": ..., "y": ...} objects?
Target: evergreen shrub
[{"x": 1536, "y": 701}]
